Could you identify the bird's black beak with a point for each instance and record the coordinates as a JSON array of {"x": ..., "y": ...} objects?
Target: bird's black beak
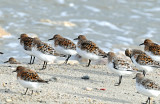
[
  {"x": 105, "y": 56},
  {"x": 6, "y": 61},
  {"x": 1, "y": 53},
  {"x": 134, "y": 77},
  {"x": 50, "y": 39},
  {"x": 141, "y": 44},
  {"x": 19, "y": 38},
  {"x": 75, "y": 39},
  {"x": 14, "y": 71}
]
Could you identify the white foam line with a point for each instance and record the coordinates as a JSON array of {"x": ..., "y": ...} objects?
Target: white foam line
[
  {"x": 125, "y": 39},
  {"x": 92, "y": 8},
  {"x": 141, "y": 13},
  {"x": 155, "y": 9},
  {"x": 149, "y": 33},
  {"x": 101, "y": 23},
  {"x": 61, "y": 1}
]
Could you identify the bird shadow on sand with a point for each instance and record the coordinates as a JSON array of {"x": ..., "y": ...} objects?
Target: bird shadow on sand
[
  {"x": 70, "y": 78},
  {"x": 93, "y": 72},
  {"x": 102, "y": 98},
  {"x": 7, "y": 91}
]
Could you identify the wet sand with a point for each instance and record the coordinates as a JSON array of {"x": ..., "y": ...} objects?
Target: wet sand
[{"x": 66, "y": 86}]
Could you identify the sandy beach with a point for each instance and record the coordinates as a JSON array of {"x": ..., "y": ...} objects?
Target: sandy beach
[{"x": 66, "y": 86}]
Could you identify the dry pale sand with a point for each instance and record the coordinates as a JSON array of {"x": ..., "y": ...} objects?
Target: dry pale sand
[{"x": 69, "y": 88}]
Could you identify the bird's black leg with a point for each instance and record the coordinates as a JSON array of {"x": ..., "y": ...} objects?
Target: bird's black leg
[
  {"x": 45, "y": 65},
  {"x": 32, "y": 92},
  {"x": 148, "y": 100},
  {"x": 89, "y": 63},
  {"x": 120, "y": 79},
  {"x": 33, "y": 60},
  {"x": 26, "y": 91},
  {"x": 67, "y": 59},
  {"x": 144, "y": 72},
  {"x": 30, "y": 60}
]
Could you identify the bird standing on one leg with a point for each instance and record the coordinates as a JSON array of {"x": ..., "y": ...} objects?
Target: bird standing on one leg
[
  {"x": 64, "y": 46},
  {"x": 88, "y": 49},
  {"x": 119, "y": 66},
  {"x": 146, "y": 87}
]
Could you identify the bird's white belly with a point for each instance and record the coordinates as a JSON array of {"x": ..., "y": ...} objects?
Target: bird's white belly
[
  {"x": 154, "y": 57},
  {"x": 27, "y": 51},
  {"x": 62, "y": 50},
  {"x": 43, "y": 57},
  {"x": 27, "y": 84},
  {"x": 147, "y": 92},
  {"x": 142, "y": 67},
  {"x": 87, "y": 55},
  {"x": 119, "y": 72}
]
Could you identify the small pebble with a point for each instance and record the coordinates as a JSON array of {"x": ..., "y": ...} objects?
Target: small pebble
[
  {"x": 88, "y": 89},
  {"x": 53, "y": 79},
  {"x": 8, "y": 100},
  {"x": 103, "y": 89},
  {"x": 85, "y": 77}
]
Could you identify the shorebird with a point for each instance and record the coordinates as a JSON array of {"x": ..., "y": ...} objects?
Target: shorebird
[
  {"x": 119, "y": 66},
  {"x": 28, "y": 78},
  {"x": 88, "y": 49},
  {"x": 26, "y": 43},
  {"x": 64, "y": 46},
  {"x": 152, "y": 49},
  {"x": 43, "y": 51},
  {"x": 12, "y": 61},
  {"x": 142, "y": 60},
  {"x": 146, "y": 87}
]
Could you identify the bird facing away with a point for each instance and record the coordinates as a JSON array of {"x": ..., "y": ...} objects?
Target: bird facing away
[
  {"x": 146, "y": 87},
  {"x": 119, "y": 66},
  {"x": 88, "y": 49},
  {"x": 12, "y": 61},
  {"x": 64, "y": 46},
  {"x": 26, "y": 43},
  {"x": 142, "y": 60},
  {"x": 28, "y": 78},
  {"x": 152, "y": 49},
  {"x": 43, "y": 51}
]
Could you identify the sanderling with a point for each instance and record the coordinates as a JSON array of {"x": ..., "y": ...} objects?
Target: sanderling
[
  {"x": 43, "y": 51},
  {"x": 152, "y": 49},
  {"x": 146, "y": 87},
  {"x": 88, "y": 49},
  {"x": 12, "y": 61},
  {"x": 142, "y": 60},
  {"x": 119, "y": 66},
  {"x": 28, "y": 78},
  {"x": 26, "y": 43},
  {"x": 64, "y": 46}
]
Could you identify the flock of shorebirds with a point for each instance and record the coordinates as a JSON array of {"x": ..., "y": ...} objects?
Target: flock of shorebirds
[{"x": 146, "y": 60}]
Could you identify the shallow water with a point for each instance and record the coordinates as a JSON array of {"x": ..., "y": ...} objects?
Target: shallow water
[{"x": 113, "y": 24}]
